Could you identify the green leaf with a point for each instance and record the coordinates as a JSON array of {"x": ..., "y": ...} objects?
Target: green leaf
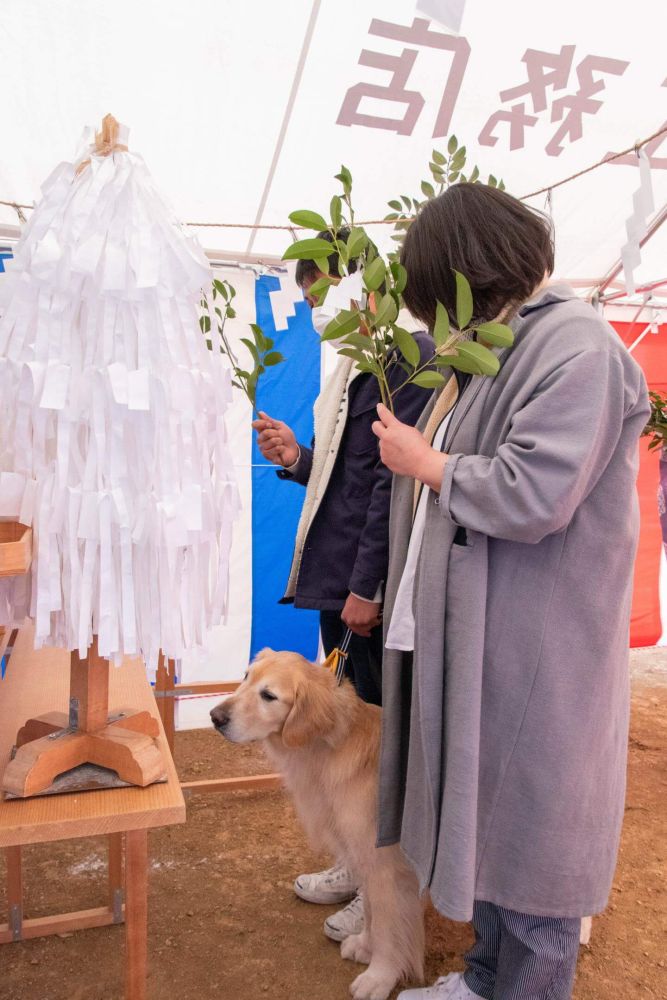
[
  {"x": 310, "y": 249},
  {"x": 345, "y": 322},
  {"x": 336, "y": 210},
  {"x": 452, "y": 145},
  {"x": 438, "y": 158},
  {"x": 441, "y": 328},
  {"x": 458, "y": 159},
  {"x": 322, "y": 264},
  {"x": 400, "y": 276},
  {"x": 320, "y": 287},
  {"x": 387, "y": 311},
  {"x": 501, "y": 185},
  {"x": 428, "y": 189},
  {"x": 474, "y": 175},
  {"x": 231, "y": 313},
  {"x": 205, "y": 324},
  {"x": 221, "y": 286},
  {"x": 408, "y": 346},
  {"x": 309, "y": 220},
  {"x": 273, "y": 358},
  {"x": 260, "y": 339},
  {"x": 497, "y": 334},
  {"x": 453, "y": 177},
  {"x": 252, "y": 348},
  {"x": 350, "y": 352},
  {"x": 486, "y": 361},
  {"x": 429, "y": 380},
  {"x": 396, "y": 205},
  {"x": 356, "y": 242},
  {"x": 492, "y": 182},
  {"x": 359, "y": 340},
  {"x": 345, "y": 177},
  {"x": 464, "y": 303},
  {"x": 406, "y": 201},
  {"x": 374, "y": 274}
]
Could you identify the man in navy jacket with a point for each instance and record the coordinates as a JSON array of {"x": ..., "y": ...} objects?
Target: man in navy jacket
[{"x": 342, "y": 563}]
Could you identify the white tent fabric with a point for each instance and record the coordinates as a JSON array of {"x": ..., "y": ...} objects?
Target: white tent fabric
[
  {"x": 237, "y": 106},
  {"x": 239, "y": 109}
]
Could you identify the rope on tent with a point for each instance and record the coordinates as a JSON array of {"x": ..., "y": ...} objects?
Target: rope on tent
[{"x": 17, "y": 206}]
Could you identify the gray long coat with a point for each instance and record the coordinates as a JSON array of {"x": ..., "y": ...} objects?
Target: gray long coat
[{"x": 504, "y": 742}]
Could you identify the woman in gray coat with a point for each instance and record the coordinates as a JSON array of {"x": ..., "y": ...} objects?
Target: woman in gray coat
[{"x": 508, "y": 603}]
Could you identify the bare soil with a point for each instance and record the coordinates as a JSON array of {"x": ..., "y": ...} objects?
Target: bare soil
[{"x": 224, "y": 922}]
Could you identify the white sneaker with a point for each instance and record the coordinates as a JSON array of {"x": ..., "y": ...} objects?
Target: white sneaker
[
  {"x": 346, "y": 922},
  {"x": 451, "y": 987},
  {"x": 335, "y": 885}
]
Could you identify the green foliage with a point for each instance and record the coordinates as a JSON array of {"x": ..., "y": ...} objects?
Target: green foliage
[
  {"x": 308, "y": 220},
  {"x": 464, "y": 304},
  {"x": 260, "y": 347},
  {"x": 310, "y": 249},
  {"x": 656, "y": 427},
  {"x": 369, "y": 330},
  {"x": 445, "y": 169}
]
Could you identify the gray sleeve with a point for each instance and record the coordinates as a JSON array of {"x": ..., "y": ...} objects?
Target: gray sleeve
[{"x": 558, "y": 446}]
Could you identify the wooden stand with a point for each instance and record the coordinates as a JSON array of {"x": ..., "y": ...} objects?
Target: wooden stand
[
  {"x": 54, "y": 743},
  {"x": 36, "y": 680}
]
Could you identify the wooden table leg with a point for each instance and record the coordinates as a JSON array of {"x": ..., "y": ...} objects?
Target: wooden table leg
[
  {"x": 136, "y": 913},
  {"x": 116, "y": 876},
  {"x": 14, "y": 891}
]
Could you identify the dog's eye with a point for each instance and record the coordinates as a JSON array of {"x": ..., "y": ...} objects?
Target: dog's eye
[{"x": 267, "y": 696}]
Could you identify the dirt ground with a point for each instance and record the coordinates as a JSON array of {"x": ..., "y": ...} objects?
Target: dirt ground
[{"x": 223, "y": 921}]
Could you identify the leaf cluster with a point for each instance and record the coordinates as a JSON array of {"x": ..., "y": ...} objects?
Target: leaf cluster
[
  {"x": 369, "y": 329},
  {"x": 216, "y": 308}
]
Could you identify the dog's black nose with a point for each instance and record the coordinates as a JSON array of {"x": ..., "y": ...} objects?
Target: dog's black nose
[{"x": 219, "y": 716}]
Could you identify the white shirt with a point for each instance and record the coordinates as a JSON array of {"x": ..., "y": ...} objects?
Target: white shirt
[{"x": 401, "y": 634}]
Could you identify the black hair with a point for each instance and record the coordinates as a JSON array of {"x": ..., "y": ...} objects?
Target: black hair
[
  {"x": 503, "y": 247},
  {"x": 307, "y": 270}
]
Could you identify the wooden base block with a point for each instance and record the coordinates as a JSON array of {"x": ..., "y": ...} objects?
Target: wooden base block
[{"x": 47, "y": 748}]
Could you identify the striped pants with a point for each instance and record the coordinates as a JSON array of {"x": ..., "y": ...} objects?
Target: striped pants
[{"x": 521, "y": 957}]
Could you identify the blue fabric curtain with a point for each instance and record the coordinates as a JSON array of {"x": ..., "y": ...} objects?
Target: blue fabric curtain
[{"x": 287, "y": 393}]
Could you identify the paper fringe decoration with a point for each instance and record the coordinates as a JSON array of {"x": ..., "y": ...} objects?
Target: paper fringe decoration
[
  {"x": 112, "y": 440},
  {"x": 637, "y": 224}
]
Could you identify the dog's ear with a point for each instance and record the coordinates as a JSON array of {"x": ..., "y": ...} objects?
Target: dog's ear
[
  {"x": 263, "y": 653},
  {"x": 313, "y": 713}
]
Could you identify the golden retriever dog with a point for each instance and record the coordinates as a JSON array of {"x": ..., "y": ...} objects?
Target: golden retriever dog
[{"x": 325, "y": 742}]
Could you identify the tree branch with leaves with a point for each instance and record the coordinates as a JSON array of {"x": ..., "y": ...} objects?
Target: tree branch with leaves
[
  {"x": 369, "y": 329},
  {"x": 215, "y": 311},
  {"x": 656, "y": 427}
]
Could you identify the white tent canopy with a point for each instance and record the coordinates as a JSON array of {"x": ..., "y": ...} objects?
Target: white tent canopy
[{"x": 240, "y": 107}]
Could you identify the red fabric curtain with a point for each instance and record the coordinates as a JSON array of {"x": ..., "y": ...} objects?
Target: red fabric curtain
[{"x": 645, "y": 626}]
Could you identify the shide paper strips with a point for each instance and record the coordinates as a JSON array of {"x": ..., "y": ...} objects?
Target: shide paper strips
[{"x": 112, "y": 439}]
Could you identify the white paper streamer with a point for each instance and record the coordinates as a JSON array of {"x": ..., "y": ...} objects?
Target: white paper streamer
[
  {"x": 112, "y": 439},
  {"x": 637, "y": 224}
]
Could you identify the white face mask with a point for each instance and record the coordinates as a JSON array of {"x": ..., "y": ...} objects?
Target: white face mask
[{"x": 320, "y": 321}]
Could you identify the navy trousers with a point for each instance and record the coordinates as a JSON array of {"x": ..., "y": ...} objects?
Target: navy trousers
[
  {"x": 521, "y": 957},
  {"x": 364, "y": 662}
]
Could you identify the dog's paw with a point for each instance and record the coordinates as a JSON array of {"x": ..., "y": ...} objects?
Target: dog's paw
[
  {"x": 374, "y": 984},
  {"x": 356, "y": 948}
]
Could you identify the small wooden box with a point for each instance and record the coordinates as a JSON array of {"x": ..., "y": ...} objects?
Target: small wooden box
[{"x": 15, "y": 548}]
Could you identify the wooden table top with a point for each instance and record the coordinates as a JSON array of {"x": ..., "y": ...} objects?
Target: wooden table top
[{"x": 36, "y": 682}]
